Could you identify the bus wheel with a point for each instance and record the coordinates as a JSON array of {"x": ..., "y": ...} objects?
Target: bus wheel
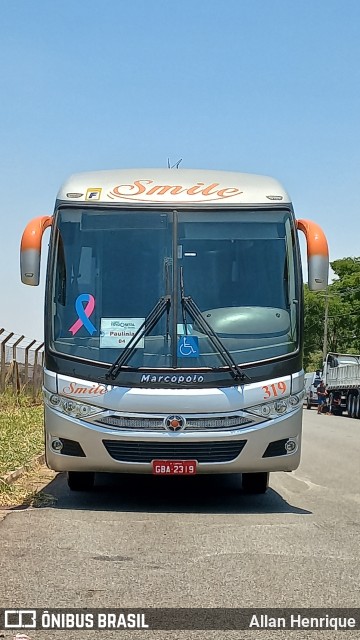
[
  {"x": 353, "y": 406},
  {"x": 357, "y": 407},
  {"x": 348, "y": 405},
  {"x": 255, "y": 482},
  {"x": 80, "y": 480}
]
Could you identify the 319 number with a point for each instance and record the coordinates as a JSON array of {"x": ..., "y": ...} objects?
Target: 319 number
[{"x": 274, "y": 390}]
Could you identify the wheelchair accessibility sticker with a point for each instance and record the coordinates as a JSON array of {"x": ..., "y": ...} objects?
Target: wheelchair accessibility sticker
[{"x": 188, "y": 347}]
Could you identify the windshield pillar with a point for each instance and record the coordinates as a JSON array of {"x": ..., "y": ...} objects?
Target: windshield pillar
[{"x": 175, "y": 304}]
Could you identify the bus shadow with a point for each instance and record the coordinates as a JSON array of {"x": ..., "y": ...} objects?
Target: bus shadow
[{"x": 150, "y": 494}]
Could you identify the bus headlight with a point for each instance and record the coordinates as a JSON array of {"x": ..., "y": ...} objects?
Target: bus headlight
[
  {"x": 54, "y": 400},
  {"x": 281, "y": 406},
  {"x": 70, "y": 407},
  {"x": 277, "y": 408},
  {"x": 265, "y": 410}
]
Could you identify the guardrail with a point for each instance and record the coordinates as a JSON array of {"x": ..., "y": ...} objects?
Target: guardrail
[{"x": 21, "y": 363}]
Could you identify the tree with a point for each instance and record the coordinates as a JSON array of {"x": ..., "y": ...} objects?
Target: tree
[
  {"x": 314, "y": 312},
  {"x": 343, "y": 324},
  {"x": 347, "y": 287}
]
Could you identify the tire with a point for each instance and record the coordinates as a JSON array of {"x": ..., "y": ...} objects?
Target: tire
[
  {"x": 348, "y": 405},
  {"x": 308, "y": 403},
  {"x": 253, "y": 483},
  {"x": 357, "y": 407},
  {"x": 353, "y": 406},
  {"x": 80, "y": 480}
]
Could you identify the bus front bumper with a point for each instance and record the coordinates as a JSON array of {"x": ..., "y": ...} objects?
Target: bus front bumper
[{"x": 89, "y": 447}]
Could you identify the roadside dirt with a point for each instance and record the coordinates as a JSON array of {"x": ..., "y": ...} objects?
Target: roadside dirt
[{"x": 29, "y": 490}]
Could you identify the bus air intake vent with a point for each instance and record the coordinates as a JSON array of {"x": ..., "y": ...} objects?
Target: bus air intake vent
[
  {"x": 148, "y": 451},
  {"x": 71, "y": 448},
  {"x": 276, "y": 448}
]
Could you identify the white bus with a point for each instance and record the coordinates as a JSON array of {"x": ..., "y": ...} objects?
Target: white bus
[{"x": 173, "y": 324}]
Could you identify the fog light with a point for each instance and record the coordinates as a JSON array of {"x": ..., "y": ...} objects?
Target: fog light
[
  {"x": 56, "y": 444},
  {"x": 290, "y": 446}
]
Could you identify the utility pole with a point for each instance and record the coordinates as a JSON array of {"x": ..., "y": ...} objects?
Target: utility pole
[{"x": 325, "y": 339}]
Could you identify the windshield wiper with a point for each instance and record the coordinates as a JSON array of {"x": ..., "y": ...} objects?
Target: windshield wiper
[
  {"x": 194, "y": 312},
  {"x": 151, "y": 320}
]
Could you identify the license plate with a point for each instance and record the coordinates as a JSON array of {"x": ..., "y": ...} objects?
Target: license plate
[{"x": 174, "y": 467}]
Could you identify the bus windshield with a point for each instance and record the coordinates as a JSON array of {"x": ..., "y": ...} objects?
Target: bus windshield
[{"x": 110, "y": 266}]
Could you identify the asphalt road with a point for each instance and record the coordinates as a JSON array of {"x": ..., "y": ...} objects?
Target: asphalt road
[{"x": 196, "y": 542}]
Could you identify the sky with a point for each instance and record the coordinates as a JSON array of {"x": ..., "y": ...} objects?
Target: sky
[{"x": 257, "y": 86}]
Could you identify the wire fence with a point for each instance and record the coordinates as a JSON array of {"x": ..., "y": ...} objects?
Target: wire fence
[{"x": 21, "y": 363}]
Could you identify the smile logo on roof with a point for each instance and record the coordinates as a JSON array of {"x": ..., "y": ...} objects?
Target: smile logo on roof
[{"x": 149, "y": 191}]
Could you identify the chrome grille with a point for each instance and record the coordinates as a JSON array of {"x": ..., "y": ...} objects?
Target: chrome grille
[
  {"x": 223, "y": 422},
  {"x": 142, "y": 424},
  {"x": 192, "y": 424}
]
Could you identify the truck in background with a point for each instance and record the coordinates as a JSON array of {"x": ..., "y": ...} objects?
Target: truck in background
[
  {"x": 342, "y": 380},
  {"x": 312, "y": 381}
]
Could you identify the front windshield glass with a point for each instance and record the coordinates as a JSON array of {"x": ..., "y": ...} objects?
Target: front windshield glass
[{"x": 111, "y": 266}]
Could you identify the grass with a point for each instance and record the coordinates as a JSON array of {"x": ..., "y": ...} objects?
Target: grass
[
  {"x": 21, "y": 440},
  {"x": 21, "y": 431}
]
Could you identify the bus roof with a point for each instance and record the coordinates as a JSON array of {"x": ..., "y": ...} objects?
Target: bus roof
[{"x": 172, "y": 186}]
